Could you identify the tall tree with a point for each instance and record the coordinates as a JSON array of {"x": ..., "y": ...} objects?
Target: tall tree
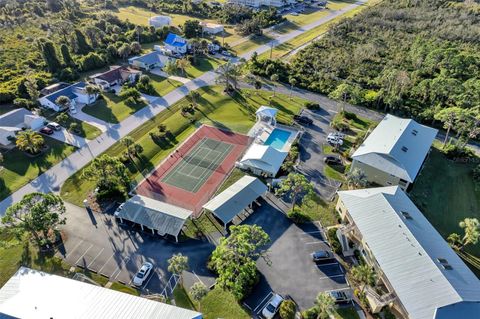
[
  {"x": 363, "y": 275},
  {"x": 124, "y": 51},
  {"x": 293, "y": 82},
  {"x": 138, "y": 32},
  {"x": 228, "y": 74},
  {"x": 198, "y": 291},
  {"x": 325, "y": 305},
  {"x": 133, "y": 149},
  {"x": 297, "y": 187},
  {"x": 234, "y": 258},
  {"x": 357, "y": 178},
  {"x": 30, "y": 141},
  {"x": 192, "y": 29},
  {"x": 38, "y": 214},
  {"x": 108, "y": 172},
  {"x": 81, "y": 45},
  {"x": 448, "y": 117},
  {"x": 471, "y": 227},
  {"x": 274, "y": 78},
  {"x": 67, "y": 58},
  {"x": 32, "y": 87},
  {"x": 177, "y": 264},
  {"x": 170, "y": 68},
  {"x": 91, "y": 89},
  {"x": 49, "y": 55},
  {"x": 183, "y": 64},
  {"x": 63, "y": 101}
]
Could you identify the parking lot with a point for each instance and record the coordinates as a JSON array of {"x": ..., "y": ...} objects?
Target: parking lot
[
  {"x": 287, "y": 267},
  {"x": 96, "y": 242}
]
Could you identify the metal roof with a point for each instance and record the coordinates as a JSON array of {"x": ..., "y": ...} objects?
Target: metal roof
[
  {"x": 235, "y": 198},
  {"x": 69, "y": 92},
  {"x": 175, "y": 40},
  {"x": 397, "y": 146},
  {"x": 14, "y": 118},
  {"x": 151, "y": 58},
  {"x": 267, "y": 110},
  {"x": 154, "y": 214},
  {"x": 464, "y": 309},
  {"x": 264, "y": 157},
  {"x": 34, "y": 294},
  {"x": 407, "y": 247}
]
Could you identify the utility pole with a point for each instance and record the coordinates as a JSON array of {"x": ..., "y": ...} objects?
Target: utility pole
[{"x": 271, "y": 49}]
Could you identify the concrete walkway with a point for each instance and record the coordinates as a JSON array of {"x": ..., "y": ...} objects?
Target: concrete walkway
[{"x": 66, "y": 137}]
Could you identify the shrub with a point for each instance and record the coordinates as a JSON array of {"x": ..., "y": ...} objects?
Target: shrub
[
  {"x": 349, "y": 116},
  {"x": 476, "y": 174},
  {"x": 334, "y": 242},
  {"x": 287, "y": 309},
  {"x": 310, "y": 313},
  {"x": 297, "y": 216},
  {"x": 453, "y": 151},
  {"x": 25, "y": 103},
  {"x": 339, "y": 125},
  {"x": 312, "y": 106}
]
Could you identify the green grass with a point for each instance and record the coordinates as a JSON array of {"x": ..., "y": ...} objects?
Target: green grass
[
  {"x": 84, "y": 129},
  {"x": 182, "y": 299},
  {"x": 162, "y": 85},
  {"x": 235, "y": 113},
  {"x": 251, "y": 43},
  {"x": 445, "y": 193},
  {"x": 19, "y": 168},
  {"x": 112, "y": 108},
  {"x": 221, "y": 304},
  {"x": 334, "y": 172},
  {"x": 123, "y": 288},
  {"x": 346, "y": 313},
  {"x": 202, "y": 65},
  {"x": 317, "y": 209},
  {"x": 234, "y": 176},
  {"x": 202, "y": 226}
]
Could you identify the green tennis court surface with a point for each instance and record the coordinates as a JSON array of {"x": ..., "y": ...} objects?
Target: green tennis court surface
[{"x": 198, "y": 165}]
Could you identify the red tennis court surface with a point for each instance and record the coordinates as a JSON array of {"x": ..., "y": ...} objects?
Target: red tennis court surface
[{"x": 192, "y": 173}]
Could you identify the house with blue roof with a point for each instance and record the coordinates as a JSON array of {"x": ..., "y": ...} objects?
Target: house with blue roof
[
  {"x": 176, "y": 43},
  {"x": 75, "y": 92},
  {"x": 150, "y": 61}
]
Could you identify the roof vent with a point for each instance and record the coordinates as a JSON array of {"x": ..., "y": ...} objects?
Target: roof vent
[
  {"x": 406, "y": 215},
  {"x": 414, "y": 132},
  {"x": 444, "y": 263},
  {"x": 404, "y": 148}
]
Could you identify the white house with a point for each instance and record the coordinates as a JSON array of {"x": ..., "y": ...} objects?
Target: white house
[
  {"x": 211, "y": 28},
  {"x": 17, "y": 120},
  {"x": 150, "y": 61},
  {"x": 160, "y": 21},
  {"x": 262, "y": 160},
  {"x": 394, "y": 152},
  {"x": 117, "y": 75},
  {"x": 176, "y": 44},
  {"x": 418, "y": 275},
  {"x": 75, "y": 92}
]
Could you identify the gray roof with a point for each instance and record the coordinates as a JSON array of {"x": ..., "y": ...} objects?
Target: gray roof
[
  {"x": 397, "y": 146},
  {"x": 407, "y": 251},
  {"x": 151, "y": 58},
  {"x": 164, "y": 217},
  {"x": 235, "y": 198},
  {"x": 464, "y": 309},
  {"x": 34, "y": 294},
  {"x": 14, "y": 118},
  {"x": 264, "y": 157}
]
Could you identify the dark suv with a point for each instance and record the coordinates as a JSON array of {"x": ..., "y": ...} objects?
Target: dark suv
[
  {"x": 303, "y": 119},
  {"x": 332, "y": 160}
]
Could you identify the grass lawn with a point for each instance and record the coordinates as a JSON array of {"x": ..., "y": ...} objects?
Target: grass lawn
[
  {"x": 346, "y": 313},
  {"x": 182, "y": 299},
  {"x": 334, "y": 172},
  {"x": 84, "y": 129},
  {"x": 251, "y": 43},
  {"x": 204, "y": 225},
  {"x": 162, "y": 85},
  {"x": 203, "y": 64},
  {"x": 112, "y": 108},
  {"x": 221, "y": 304},
  {"x": 235, "y": 113},
  {"x": 235, "y": 175},
  {"x": 19, "y": 168},
  {"x": 318, "y": 209},
  {"x": 126, "y": 289},
  {"x": 445, "y": 193}
]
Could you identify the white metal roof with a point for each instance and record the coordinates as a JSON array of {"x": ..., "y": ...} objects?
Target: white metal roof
[
  {"x": 164, "y": 217},
  {"x": 407, "y": 250},
  {"x": 264, "y": 157},
  {"x": 267, "y": 111},
  {"x": 397, "y": 146},
  {"x": 235, "y": 198},
  {"x": 34, "y": 294}
]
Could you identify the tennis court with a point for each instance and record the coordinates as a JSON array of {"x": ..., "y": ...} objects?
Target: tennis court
[{"x": 198, "y": 165}]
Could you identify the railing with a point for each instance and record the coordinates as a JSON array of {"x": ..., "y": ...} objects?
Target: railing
[{"x": 380, "y": 300}]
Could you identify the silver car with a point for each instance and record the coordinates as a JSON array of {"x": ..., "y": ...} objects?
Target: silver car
[{"x": 142, "y": 274}]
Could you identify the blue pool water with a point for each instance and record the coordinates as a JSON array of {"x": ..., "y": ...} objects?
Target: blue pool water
[{"x": 278, "y": 138}]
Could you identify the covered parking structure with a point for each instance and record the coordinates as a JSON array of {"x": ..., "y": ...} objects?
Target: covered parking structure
[
  {"x": 159, "y": 217},
  {"x": 236, "y": 198}
]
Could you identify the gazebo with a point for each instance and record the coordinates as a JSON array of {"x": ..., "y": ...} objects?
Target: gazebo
[{"x": 267, "y": 114}]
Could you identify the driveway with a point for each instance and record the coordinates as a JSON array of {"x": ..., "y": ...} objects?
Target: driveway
[
  {"x": 311, "y": 152},
  {"x": 66, "y": 137},
  {"x": 97, "y": 242},
  {"x": 287, "y": 267}
]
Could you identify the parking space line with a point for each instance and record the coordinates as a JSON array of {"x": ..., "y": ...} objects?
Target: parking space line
[
  {"x": 84, "y": 254},
  {"x": 339, "y": 289},
  {"x": 263, "y": 300},
  {"x": 78, "y": 245},
  {"x": 149, "y": 278},
  {"x": 311, "y": 232},
  {"x": 125, "y": 260},
  {"x": 335, "y": 276},
  {"x": 101, "y": 251},
  {"x": 193, "y": 271},
  {"x": 316, "y": 242},
  {"x": 106, "y": 262}
]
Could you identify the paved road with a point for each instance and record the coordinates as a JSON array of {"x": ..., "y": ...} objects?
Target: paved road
[{"x": 51, "y": 180}]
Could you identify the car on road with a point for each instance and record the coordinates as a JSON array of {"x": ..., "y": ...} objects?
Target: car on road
[
  {"x": 46, "y": 130},
  {"x": 272, "y": 306},
  {"x": 321, "y": 255},
  {"x": 73, "y": 109},
  {"x": 226, "y": 53},
  {"x": 54, "y": 126},
  {"x": 294, "y": 13},
  {"x": 341, "y": 297},
  {"x": 332, "y": 160},
  {"x": 143, "y": 274},
  {"x": 303, "y": 119},
  {"x": 337, "y": 135},
  {"x": 334, "y": 140}
]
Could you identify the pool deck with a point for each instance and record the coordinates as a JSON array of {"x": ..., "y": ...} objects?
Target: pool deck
[{"x": 261, "y": 131}]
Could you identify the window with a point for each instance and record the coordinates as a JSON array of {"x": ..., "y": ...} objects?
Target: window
[
  {"x": 404, "y": 148},
  {"x": 414, "y": 132}
]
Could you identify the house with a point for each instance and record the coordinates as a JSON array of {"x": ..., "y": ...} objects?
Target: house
[
  {"x": 394, "y": 152},
  {"x": 75, "y": 92},
  {"x": 160, "y": 21},
  {"x": 176, "y": 44},
  {"x": 117, "y": 75},
  {"x": 262, "y": 160},
  {"x": 150, "y": 61},
  {"x": 53, "y": 88},
  {"x": 259, "y": 3},
  {"x": 418, "y": 275},
  {"x": 17, "y": 120},
  {"x": 36, "y": 295},
  {"x": 211, "y": 28}
]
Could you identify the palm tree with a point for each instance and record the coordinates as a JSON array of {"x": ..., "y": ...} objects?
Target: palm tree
[
  {"x": 183, "y": 64},
  {"x": 364, "y": 275},
  {"x": 194, "y": 95},
  {"x": 357, "y": 178},
  {"x": 124, "y": 51},
  {"x": 274, "y": 78},
  {"x": 325, "y": 305},
  {"x": 133, "y": 149},
  {"x": 138, "y": 31},
  {"x": 228, "y": 74},
  {"x": 292, "y": 82},
  {"x": 471, "y": 227},
  {"x": 170, "y": 68},
  {"x": 91, "y": 90},
  {"x": 198, "y": 291},
  {"x": 30, "y": 141},
  {"x": 63, "y": 101},
  {"x": 448, "y": 117},
  {"x": 177, "y": 264}
]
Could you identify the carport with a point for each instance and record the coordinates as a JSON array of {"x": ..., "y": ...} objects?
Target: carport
[
  {"x": 236, "y": 198},
  {"x": 164, "y": 218}
]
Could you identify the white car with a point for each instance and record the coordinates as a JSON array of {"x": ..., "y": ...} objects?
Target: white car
[
  {"x": 272, "y": 306},
  {"x": 142, "y": 274},
  {"x": 334, "y": 140},
  {"x": 54, "y": 126},
  {"x": 337, "y": 135},
  {"x": 73, "y": 110}
]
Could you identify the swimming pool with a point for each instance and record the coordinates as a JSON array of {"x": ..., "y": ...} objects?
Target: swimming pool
[{"x": 278, "y": 138}]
